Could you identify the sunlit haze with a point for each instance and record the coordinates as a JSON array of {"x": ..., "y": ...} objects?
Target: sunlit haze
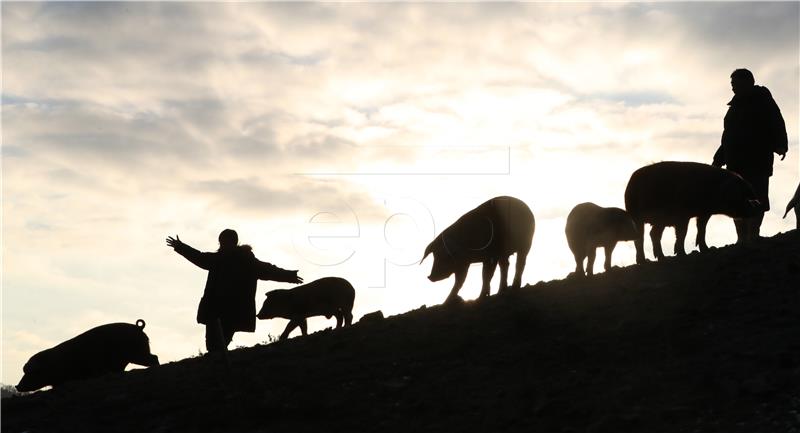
[{"x": 338, "y": 139}]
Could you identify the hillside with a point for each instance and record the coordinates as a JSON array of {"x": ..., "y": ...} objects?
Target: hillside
[{"x": 705, "y": 343}]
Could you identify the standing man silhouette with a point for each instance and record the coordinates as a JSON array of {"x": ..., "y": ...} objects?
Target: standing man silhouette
[
  {"x": 228, "y": 304},
  {"x": 754, "y": 130}
]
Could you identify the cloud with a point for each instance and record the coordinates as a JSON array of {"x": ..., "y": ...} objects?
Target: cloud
[{"x": 254, "y": 196}]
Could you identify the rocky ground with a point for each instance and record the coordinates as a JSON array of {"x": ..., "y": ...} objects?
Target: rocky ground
[{"x": 704, "y": 343}]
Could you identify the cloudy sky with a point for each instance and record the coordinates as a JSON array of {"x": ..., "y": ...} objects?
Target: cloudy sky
[{"x": 338, "y": 139}]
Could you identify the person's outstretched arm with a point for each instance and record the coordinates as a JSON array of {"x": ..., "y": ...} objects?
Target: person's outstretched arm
[
  {"x": 268, "y": 271},
  {"x": 203, "y": 260}
]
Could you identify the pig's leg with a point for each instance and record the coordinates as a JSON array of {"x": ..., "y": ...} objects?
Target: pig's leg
[
  {"x": 700, "y": 241},
  {"x": 304, "y": 327},
  {"x": 522, "y": 257},
  {"x": 114, "y": 367},
  {"x": 655, "y": 236},
  {"x": 742, "y": 230},
  {"x": 638, "y": 242},
  {"x": 289, "y": 328},
  {"x": 680, "y": 237},
  {"x": 339, "y": 320},
  {"x": 488, "y": 272},
  {"x": 609, "y": 250},
  {"x": 797, "y": 216},
  {"x": 503, "y": 274},
  {"x": 348, "y": 318},
  {"x": 143, "y": 359},
  {"x": 579, "y": 256},
  {"x": 590, "y": 261},
  {"x": 461, "y": 276}
]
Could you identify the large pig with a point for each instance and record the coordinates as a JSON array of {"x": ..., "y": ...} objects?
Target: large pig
[
  {"x": 104, "y": 349},
  {"x": 794, "y": 203},
  {"x": 590, "y": 226},
  {"x": 330, "y": 296},
  {"x": 488, "y": 234},
  {"x": 670, "y": 193}
]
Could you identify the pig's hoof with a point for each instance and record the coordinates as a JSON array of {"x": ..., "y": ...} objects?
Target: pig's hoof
[{"x": 454, "y": 300}]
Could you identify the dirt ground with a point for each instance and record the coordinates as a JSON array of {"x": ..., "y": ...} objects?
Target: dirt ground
[{"x": 703, "y": 343}]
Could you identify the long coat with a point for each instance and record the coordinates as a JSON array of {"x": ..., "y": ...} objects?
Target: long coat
[
  {"x": 754, "y": 129},
  {"x": 230, "y": 289}
]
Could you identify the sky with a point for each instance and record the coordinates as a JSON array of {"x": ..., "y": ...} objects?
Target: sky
[{"x": 338, "y": 139}]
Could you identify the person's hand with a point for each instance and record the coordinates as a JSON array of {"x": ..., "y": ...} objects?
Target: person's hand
[
  {"x": 783, "y": 155},
  {"x": 174, "y": 242},
  {"x": 295, "y": 279}
]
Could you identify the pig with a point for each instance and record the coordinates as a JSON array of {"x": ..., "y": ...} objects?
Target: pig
[
  {"x": 488, "y": 234},
  {"x": 670, "y": 193},
  {"x": 794, "y": 203},
  {"x": 100, "y": 350},
  {"x": 590, "y": 226},
  {"x": 330, "y": 296}
]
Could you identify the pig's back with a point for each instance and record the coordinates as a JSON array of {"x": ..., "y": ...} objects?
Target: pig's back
[
  {"x": 324, "y": 295},
  {"x": 515, "y": 215},
  {"x": 672, "y": 189},
  {"x": 109, "y": 346},
  {"x": 505, "y": 223}
]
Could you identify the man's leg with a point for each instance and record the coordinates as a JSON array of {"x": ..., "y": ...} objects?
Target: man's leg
[
  {"x": 742, "y": 230},
  {"x": 227, "y": 335},
  {"x": 215, "y": 340},
  {"x": 755, "y": 225},
  {"x": 761, "y": 186}
]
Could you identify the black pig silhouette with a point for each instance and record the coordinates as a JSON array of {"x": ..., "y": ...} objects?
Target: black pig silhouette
[
  {"x": 590, "y": 226},
  {"x": 488, "y": 234},
  {"x": 329, "y": 296},
  {"x": 104, "y": 349},
  {"x": 670, "y": 193}
]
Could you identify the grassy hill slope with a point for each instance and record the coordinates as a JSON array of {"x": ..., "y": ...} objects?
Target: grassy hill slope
[{"x": 708, "y": 342}]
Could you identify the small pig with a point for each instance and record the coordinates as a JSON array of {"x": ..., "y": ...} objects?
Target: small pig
[
  {"x": 104, "y": 349},
  {"x": 590, "y": 226},
  {"x": 330, "y": 296},
  {"x": 488, "y": 234},
  {"x": 670, "y": 193},
  {"x": 794, "y": 203}
]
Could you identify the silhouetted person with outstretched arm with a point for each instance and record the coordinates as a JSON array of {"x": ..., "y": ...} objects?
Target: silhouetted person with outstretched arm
[
  {"x": 228, "y": 302},
  {"x": 754, "y": 130}
]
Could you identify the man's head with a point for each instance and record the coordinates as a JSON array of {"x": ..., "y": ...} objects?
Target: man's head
[
  {"x": 228, "y": 239},
  {"x": 742, "y": 81}
]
